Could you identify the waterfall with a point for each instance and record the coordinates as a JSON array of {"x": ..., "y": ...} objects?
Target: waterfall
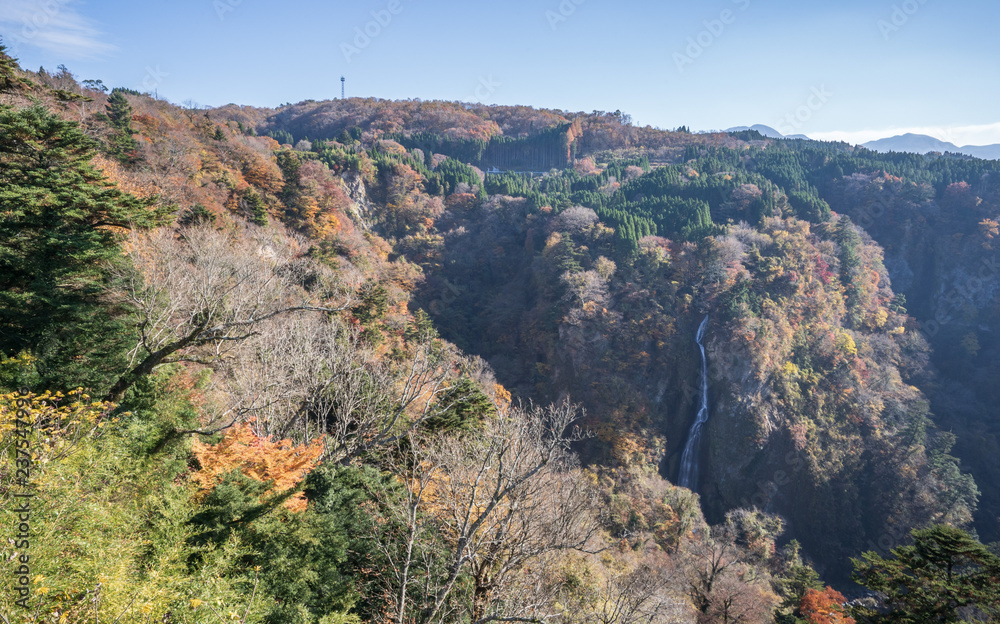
[{"x": 689, "y": 460}]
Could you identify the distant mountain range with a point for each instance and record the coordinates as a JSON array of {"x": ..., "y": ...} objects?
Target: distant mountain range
[
  {"x": 913, "y": 143},
  {"x": 767, "y": 131},
  {"x": 921, "y": 144}
]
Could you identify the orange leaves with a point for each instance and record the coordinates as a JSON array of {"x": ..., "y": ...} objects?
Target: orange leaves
[
  {"x": 501, "y": 398},
  {"x": 263, "y": 174},
  {"x": 460, "y": 202},
  {"x": 323, "y": 205},
  {"x": 990, "y": 229},
  {"x": 824, "y": 607},
  {"x": 126, "y": 181},
  {"x": 259, "y": 458}
]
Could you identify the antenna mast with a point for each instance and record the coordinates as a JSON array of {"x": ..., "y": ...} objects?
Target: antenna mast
[{"x": 342, "y": 90}]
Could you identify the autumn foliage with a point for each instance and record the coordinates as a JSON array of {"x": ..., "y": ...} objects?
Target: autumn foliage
[
  {"x": 824, "y": 607},
  {"x": 259, "y": 458},
  {"x": 59, "y": 422}
]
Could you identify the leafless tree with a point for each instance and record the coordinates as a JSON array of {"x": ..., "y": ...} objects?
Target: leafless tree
[
  {"x": 723, "y": 585},
  {"x": 645, "y": 595},
  {"x": 740, "y": 597},
  {"x": 310, "y": 375},
  {"x": 500, "y": 501},
  {"x": 197, "y": 292},
  {"x": 574, "y": 220},
  {"x": 402, "y": 537}
]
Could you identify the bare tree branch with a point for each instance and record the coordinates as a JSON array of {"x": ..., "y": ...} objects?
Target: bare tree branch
[{"x": 198, "y": 291}]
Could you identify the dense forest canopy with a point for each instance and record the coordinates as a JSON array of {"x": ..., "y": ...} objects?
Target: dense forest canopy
[{"x": 373, "y": 361}]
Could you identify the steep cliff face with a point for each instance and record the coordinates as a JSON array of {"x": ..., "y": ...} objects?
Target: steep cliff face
[
  {"x": 813, "y": 417},
  {"x": 362, "y": 209},
  {"x": 813, "y": 362},
  {"x": 942, "y": 253}
]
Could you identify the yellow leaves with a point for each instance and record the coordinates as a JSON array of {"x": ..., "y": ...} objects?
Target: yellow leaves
[
  {"x": 625, "y": 448},
  {"x": 15, "y": 366},
  {"x": 552, "y": 242},
  {"x": 116, "y": 174},
  {"x": 989, "y": 228},
  {"x": 259, "y": 458},
  {"x": 881, "y": 316},
  {"x": 790, "y": 370},
  {"x": 845, "y": 343},
  {"x": 501, "y": 398},
  {"x": 194, "y": 603},
  {"x": 58, "y": 422}
]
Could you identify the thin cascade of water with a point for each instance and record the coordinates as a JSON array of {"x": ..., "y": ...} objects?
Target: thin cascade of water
[{"x": 689, "y": 459}]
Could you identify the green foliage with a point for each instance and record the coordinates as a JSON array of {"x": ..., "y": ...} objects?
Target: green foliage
[
  {"x": 109, "y": 533},
  {"x": 958, "y": 489},
  {"x": 793, "y": 586},
  {"x": 289, "y": 162},
  {"x": 465, "y": 406},
  {"x": 18, "y": 372},
  {"x": 340, "y": 160},
  {"x": 945, "y": 571},
  {"x": 811, "y": 369},
  {"x": 281, "y": 136},
  {"x": 452, "y": 172},
  {"x": 809, "y": 206},
  {"x": 197, "y": 214},
  {"x": 253, "y": 207},
  {"x": 310, "y": 561},
  {"x": 850, "y": 265},
  {"x": 57, "y": 238},
  {"x": 121, "y": 145},
  {"x": 373, "y": 303},
  {"x": 549, "y": 149},
  {"x": 10, "y": 78}
]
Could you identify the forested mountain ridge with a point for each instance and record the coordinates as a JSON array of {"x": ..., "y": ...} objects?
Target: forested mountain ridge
[{"x": 295, "y": 439}]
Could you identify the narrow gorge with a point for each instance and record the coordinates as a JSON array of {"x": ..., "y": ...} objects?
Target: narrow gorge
[{"x": 689, "y": 460}]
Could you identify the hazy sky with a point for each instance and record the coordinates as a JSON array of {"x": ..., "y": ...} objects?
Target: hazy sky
[{"x": 850, "y": 69}]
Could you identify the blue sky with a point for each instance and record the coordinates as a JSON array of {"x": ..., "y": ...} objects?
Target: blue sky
[{"x": 851, "y": 69}]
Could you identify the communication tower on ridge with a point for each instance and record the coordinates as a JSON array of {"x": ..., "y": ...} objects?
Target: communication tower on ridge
[{"x": 342, "y": 89}]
